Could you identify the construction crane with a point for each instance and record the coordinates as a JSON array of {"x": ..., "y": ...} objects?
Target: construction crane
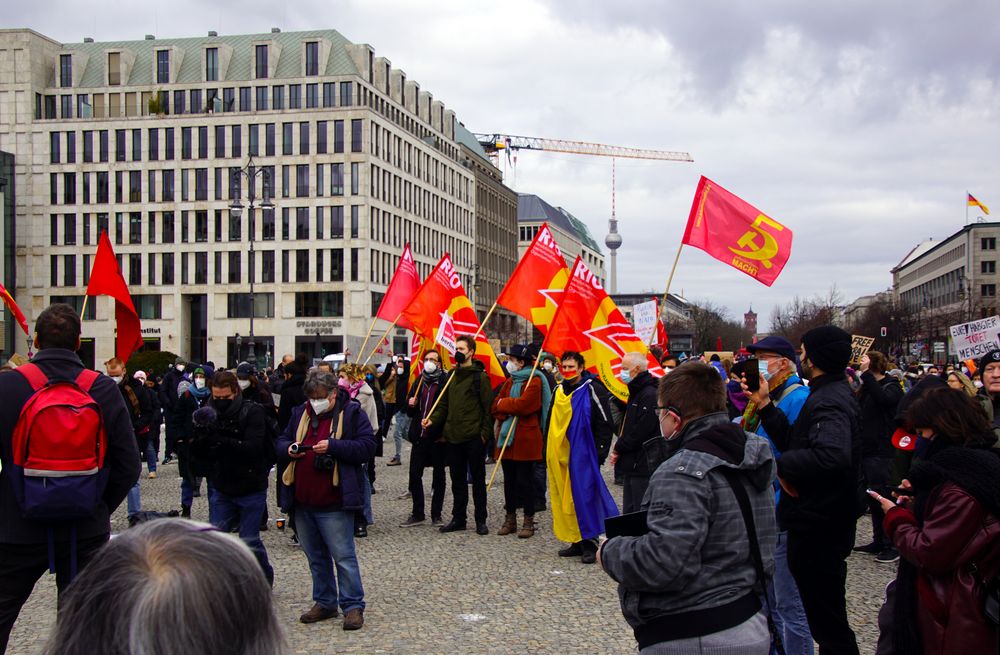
[{"x": 494, "y": 143}]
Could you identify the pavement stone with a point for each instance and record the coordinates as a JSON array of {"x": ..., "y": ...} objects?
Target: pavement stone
[{"x": 449, "y": 593}]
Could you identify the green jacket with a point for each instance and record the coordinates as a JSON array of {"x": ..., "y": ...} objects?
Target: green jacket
[{"x": 464, "y": 415}]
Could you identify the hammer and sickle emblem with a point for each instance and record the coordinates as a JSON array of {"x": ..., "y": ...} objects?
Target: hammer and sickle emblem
[{"x": 764, "y": 252}]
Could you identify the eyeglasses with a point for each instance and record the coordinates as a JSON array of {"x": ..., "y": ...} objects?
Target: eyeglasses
[{"x": 669, "y": 409}]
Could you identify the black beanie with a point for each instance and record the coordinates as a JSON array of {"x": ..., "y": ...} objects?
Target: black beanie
[{"x": 828, "y": 348}]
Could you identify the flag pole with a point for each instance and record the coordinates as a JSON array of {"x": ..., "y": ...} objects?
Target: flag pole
[
  {"x": 513, "y": 424},
  {"x": 367, "y": 336},
  {"x": 83, "y": 309},
  {"x": 672, "y": 270},
  {"x": 966, "y": 206},
  {"x": 381, "y": 339}
]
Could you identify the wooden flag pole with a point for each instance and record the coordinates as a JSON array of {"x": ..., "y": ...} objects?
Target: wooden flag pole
[
  {"x": 513, "y": 424},
  {"x": 380, "y": 340},
  {"x": 367, "y": 336},
  {"x": 83, "y": 309},
  {"x": 671, "y": 278}
]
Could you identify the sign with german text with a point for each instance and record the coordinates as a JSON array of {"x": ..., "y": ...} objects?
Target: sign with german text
[
  {"x": 859, "y": 346},
  {"x": 974, "y": 339},
  {"x": 644, "y": 320}
]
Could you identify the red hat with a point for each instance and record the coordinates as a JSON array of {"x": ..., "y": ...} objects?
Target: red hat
[{"x": 904, "y": 440}]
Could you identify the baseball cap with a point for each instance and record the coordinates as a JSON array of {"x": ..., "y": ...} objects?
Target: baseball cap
[
  {"x": 773, "y": 344},
  {"x": 904, "y": 440},
  {"x": 244, "y": 371}
]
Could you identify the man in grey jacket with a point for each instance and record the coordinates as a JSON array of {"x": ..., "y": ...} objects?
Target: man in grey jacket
[{"x": 690, "y": 583}]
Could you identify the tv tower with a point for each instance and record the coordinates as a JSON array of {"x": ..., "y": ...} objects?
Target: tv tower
[{"x": 614, "y": 240}]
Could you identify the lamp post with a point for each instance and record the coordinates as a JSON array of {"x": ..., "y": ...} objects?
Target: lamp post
[
  {"x": 239, "y": 348},
  {"x": 250, "y": 173}
]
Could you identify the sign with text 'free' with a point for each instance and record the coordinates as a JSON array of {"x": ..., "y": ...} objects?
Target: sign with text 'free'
[{"x": 974, "y": 339}]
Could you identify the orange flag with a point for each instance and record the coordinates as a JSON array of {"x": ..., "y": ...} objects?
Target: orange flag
[
  {"x": 106, "y": 280},
  {"x": 418, "y": 346},
  {"x": 14, "y": 309},
  {"x": 442, "y": 294},
  {"x": 536, "y": 286},
  {"x": 735, "y": 232},
  {"x": 589, "y": 322},
  {"x": 403, "y": 285}
]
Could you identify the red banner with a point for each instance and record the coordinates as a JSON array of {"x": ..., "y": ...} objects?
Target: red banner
[
  {"x": 8, "y": 300},
  {"x": 441, "y": 294},
  {"x": 735, "y": 232},
  {"x": 589, "y": 322},
  {"x": 537, "y": 284},
  {"x": 106, "y": 280},
  {"x": 403, "y": 285}
]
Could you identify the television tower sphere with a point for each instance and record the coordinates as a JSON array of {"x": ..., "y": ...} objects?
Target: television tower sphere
[{"x": 613, "y": 241}]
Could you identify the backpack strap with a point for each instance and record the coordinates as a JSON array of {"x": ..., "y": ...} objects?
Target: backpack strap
[
  {"x": 34, "y": 375},
  {"x": 86, "y": 379}
]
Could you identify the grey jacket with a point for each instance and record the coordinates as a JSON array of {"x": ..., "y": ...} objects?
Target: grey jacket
[{"x": 696, "y": 554}]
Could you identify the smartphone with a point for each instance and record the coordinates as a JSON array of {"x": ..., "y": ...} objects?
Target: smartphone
[{"x": 752, "y": 373}]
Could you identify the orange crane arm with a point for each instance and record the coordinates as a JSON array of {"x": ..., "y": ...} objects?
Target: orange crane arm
[{"x": 493, "y": 143}]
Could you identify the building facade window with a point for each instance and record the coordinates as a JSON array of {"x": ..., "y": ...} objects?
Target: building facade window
[
  {"x": 310, "y": 304},
  {"x": 260, "y": 70},
  {"x": 163, "y": 67},
  {"x": 211, "y": 64},
  {"x": 65, "y": 71},
  {"x": 312, "y": 58}
]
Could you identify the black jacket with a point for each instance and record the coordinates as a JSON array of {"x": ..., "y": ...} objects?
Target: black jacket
[
  {"x": 235, "y": 449},
  {"x": 141, "y": 412},
  {"x": 291, "y": 396},
  {"x": 820, "y": 456},
  {"x": 121, "y": 461},
  {"x": 641, "y": 424},
  {"x": 878, "y": 399},
  {"x": 167, "y": 396}
]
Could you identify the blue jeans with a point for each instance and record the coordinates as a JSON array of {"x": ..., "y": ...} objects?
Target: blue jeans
[
  {"x": 151, "y": 454},
  {"x": 187, "y": 490},
  {"x": 789, "y": 614},
  {"x": 402, "y": 428},
  {"x": 327, "y": 538},
  {"x": 224, "y": 510},
  {"x": 368, "y": 514},
  {"x": 133, "y": 500}
]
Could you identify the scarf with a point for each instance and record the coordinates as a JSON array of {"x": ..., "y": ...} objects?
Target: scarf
[
  {"x": 751, "y": 417},
  {"x": 199, "y": 394},
  {"x": 288, "y": 477},
  {"x": 352, "y": 388},
  {"x": 518, "y": 380}
]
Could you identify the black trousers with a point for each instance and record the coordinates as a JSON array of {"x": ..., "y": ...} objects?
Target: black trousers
[
  {"x": 633, "y": 489},
  {"x": 541, "y": 477},
  {"x": 21, "y": 565},
  {"x": 171, "y": 436},
  {"x": 467, "y": 460},
  {"x": 877, "y": 472},
  {"x": 519, "y": 486},
  {"x": 428, "y": 454},
  {"x": 817, "y": 559}
]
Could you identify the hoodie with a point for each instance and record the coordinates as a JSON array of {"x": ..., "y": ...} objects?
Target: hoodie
[{"x": 696, "y": 555}]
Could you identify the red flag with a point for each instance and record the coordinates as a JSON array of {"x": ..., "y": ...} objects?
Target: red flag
[
  {"x": 442, "y": 295},
  {"x": 536, "y": 286},
  {"x": 106, "y": 280},
  {"x": 735, "y": 232},
  {"x": 661, "y": 331},
  {"x": 14, "y": 309},
  {"x": 403, "y": 285},
  {"x": 718, "y": 344},
  {"x": 589, "y": 322}
]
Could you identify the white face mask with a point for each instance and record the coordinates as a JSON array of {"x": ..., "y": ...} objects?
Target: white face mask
[
  {"x": 243, "y": 384},
  {"x": 180, "y": 367},
  {"x": 430, "y": 366},
  {"x": 117, "y": 378},
  {"x": 547, "y": 366},
  {"x": 513, "y": 366},
  {"x": 399, "y": 370},
  {"x": 199, "y": 382},
  {"x": 319, "y": 406}
]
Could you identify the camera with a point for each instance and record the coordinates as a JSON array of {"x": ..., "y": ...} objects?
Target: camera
[
  {"x": 324, "y": 462},
  {"x": 297, "y": 448}
]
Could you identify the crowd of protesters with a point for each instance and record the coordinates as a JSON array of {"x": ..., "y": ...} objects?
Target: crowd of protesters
[{"x": 742, "y": 486}]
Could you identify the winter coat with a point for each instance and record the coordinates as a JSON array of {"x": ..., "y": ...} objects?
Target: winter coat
[
  {"x": 878, "y": 400},
  {"x": 355, "y": 447},
  {"x": 696, "y": 555},
  {"x": 168, "y": 396},
  {"x": 366, "y": 398},
  {"x": 820, "y": 456},
  {"x": 121, "y": 459},
  {"x": 463, "y": 414},
  {"x": 426, "y": 393},
  {"x": 641, "y": 425},
  {"x": 291, "y": 396},
  {"x": 235, "y": 451},
  {"x": 527, "y": 445}
]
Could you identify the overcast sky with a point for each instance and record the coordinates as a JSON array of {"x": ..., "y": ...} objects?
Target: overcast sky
[{"x": 859, "y": 125}]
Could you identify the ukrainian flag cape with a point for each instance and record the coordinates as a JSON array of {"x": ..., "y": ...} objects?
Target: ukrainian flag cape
[{"x": 580, "y": 499}]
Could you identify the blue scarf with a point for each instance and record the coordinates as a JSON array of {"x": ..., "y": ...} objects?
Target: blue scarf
[
  {"x": 200, "y": 394},
  {"x": 518, "y": 380}
]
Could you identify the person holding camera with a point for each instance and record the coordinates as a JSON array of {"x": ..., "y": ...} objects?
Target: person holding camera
[
  {"x": 231, "y": 445},
  {"x": 325, "y": 445}
]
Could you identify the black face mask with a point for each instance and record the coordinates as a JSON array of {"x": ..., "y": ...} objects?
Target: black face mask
[
  {"x": 222, "y": 406},
  {"x": 460, "y": 357}
]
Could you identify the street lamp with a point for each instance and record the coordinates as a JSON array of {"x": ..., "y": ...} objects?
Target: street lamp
[
  {"x": 239, "y": 348},
  {"x": 250, "y": 172}
]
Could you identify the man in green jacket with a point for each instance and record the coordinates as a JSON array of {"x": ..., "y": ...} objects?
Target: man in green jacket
[{"x": 464, "y": 415}]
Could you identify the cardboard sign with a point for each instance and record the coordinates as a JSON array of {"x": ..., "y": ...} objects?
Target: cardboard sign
[
  {"x": 974, "y": 339},
  {"x": 859, "y": 346},
  {"x": 644, "y": 320}
]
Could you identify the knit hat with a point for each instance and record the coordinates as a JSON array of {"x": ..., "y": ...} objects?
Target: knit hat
[
  {"x": 244, "y": 371},
  {"x": 828, "y": 347},
  {"x": 199, "y": 371},
  {"x": 140, "y": 375},
  {"x": 988, "y": 358}
]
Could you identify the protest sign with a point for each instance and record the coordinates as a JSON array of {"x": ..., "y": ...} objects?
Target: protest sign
[
  {"x": 974, "y": 339},
  {"x": 644, "y": 320},
  {"x": 859, "y": 346}
]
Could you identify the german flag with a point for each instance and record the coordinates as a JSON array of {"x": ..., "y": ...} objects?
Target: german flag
[{"x": 975, "y": 203}]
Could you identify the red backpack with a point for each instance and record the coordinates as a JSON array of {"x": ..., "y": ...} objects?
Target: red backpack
[{"x": 59, "y": 444}]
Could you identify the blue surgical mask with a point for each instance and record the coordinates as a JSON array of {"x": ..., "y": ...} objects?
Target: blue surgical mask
[
  {"x": 762, "y": 367},
  {"x": 625, "y": 376},
  {"x": 923, "y": 445}
]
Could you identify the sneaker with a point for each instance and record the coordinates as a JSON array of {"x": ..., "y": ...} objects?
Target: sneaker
[
  {"x": 437, "y": 521},
  {"x": 152, "y": 475},
  {"x": 393, "y": 462},
  {"x": 167, "y": 460},
  {"x": 412, "y": 521},
  {"x": 318, "y": 613},
  {"x": 887, "y": 556},
  {"x": 872, "y": 549},
  {"x": 361, "y": 531},
  {"x": 404, "y": 495},
  {"x": 354, "y": 619}
]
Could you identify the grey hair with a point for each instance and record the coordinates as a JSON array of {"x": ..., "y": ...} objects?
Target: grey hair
[
  {"x": 636, "y": 359},
  {"x": 319, "y": 380},
  {"x": 169, "y": 587}
]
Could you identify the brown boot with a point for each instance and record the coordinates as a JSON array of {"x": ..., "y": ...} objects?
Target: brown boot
[
  {"x": 318, "y": 613},
  {"x": 509, "y": 524},
  {"x": 527, "y": 529},
  {"x": 354, "y": 619}
]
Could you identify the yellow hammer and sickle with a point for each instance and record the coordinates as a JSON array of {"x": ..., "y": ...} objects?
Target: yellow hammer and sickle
[{"x": 766, "y": 252}]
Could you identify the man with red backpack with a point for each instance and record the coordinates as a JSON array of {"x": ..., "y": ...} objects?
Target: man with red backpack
[{"x": 52, "y": 409}]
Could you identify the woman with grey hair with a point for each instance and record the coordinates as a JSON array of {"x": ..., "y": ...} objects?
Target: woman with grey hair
[
  {"x": 169, "y": 587},
  {"x": 325, "y": 444}
]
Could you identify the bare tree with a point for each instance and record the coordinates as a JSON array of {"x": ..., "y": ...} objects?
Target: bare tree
[
  {"x": 801, "y": 315},
  {"x": 710, "y": 322}
]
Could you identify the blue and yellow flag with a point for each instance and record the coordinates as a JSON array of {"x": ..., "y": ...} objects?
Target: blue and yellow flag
[{"x": 580, "y": 499}]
